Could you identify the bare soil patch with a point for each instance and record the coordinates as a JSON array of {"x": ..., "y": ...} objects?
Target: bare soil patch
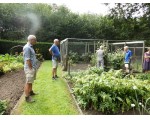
[{"x": 11, "y": 88}]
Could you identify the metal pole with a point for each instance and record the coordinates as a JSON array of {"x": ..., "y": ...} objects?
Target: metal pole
[
  {"x": 94, "y": 46},
  {"x": 88, "y": 47},
  {"x": 143, "y": 54}
]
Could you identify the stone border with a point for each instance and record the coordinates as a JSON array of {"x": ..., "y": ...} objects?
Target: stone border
[
  {"x": 13, "y": 111},
  {"x": 79, "y": 109}
]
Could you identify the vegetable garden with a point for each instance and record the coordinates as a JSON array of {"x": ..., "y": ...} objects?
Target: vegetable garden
[{"x": 109, "y": 90}]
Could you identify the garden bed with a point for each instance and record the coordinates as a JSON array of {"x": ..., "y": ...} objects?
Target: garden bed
[
  {"x": 101, "y": 93},
  {"x": 11, "y": 88}
]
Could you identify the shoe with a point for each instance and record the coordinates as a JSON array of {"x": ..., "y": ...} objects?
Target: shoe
[
  {"x": 56, "y": 76},
  {"x": 32, "y": 93},
  {"x": 29, "y": 99},
  {"x": 53, "y": 78}
]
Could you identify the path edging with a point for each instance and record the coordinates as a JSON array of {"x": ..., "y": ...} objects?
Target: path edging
[{"x": 77, "y": 105}]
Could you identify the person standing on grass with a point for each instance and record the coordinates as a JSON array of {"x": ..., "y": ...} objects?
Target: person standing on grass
[
  {"x": 127, "y": 60},
  {"x": 54, "y": 51},
  {"x": 146, "y": 64},
  {"x": 29, "y": 67},
  {"x": 100, "y": 57}
]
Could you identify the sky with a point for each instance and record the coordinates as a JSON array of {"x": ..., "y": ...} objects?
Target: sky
[{"x": 83, "y": 6}]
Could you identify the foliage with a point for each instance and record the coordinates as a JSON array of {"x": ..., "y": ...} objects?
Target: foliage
[
  {"x": 142, "y": 76},
  {"x": 9, "y": 63},
  {"x": 73, "y": 57},
  {"x": 125, "y": 21},
  {"x": 93, "y": 60},
  {"x": 86, "y": 57},
  {"x": 39, "y": 56},
  {"x": 42, "y": 47},
  {"x": 116, "y": 59},
  {"x": 113, "y": 60},
  {"x": 108, "y": 92},
  {"x": 3, "y": 106}
]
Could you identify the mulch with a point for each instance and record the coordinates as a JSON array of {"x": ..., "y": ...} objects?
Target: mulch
[{"x": 11, "y": 88}]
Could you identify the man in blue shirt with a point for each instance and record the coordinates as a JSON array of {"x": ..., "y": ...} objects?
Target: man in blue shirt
[
  {"x": 127, "y": 60},
  {"x": 54, "y": 51}
]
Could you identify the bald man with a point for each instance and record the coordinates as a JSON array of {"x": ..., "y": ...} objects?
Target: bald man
[
  {"x": 127, "y": 59},
  {"x": 54, "y": 51},
  {"x": 29, "y": 67}
]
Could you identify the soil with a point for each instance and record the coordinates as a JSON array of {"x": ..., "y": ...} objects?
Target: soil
[
  {"x": 11, "y": 88},
  {"x": 80, "y": 66}
]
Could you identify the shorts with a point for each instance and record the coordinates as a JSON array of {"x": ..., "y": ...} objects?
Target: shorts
[
  {"x": 126, "y": 65},
  {"x": 54, "y": 63},
  {"x": 30, "y": 75}
]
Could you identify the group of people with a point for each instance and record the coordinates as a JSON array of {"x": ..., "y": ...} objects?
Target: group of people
[
  {"x": 30, "y": 66},
  {"x": 127, "y": 59}
]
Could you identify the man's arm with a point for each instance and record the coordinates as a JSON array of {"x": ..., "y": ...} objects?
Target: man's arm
[
  {"x": 29, "y": 64},
  {"x": 50, "y": 50},
  {"x": 27, "y": 57}
]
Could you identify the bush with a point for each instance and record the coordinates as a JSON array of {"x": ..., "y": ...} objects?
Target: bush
[
  {"x": 108, "y": 92},
  {"x": 73, "y": 57},
  {"x": 86, "y": 57},
  {"x": 115, "y": 60},
  {"x": 6, "y": 45}
]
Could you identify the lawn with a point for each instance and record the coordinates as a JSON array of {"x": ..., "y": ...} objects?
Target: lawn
[{"x": 53, "y": 96}]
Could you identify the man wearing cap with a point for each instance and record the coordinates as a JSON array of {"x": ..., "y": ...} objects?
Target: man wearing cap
[
  {"x": 54, "y": 51},
  {"x": 29, "y": 67}
]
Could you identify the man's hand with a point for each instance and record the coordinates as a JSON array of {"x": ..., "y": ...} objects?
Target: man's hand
[
  {"x": 51, "y": 52},
  {"x": 29, "y": 64}
]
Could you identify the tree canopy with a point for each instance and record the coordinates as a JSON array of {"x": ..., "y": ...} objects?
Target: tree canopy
[{"x": 46, "y": 21}]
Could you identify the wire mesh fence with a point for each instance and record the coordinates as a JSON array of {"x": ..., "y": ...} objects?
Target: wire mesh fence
[
  {"x": 81, "y": 51},
  {"x": 137, "y": 48}
]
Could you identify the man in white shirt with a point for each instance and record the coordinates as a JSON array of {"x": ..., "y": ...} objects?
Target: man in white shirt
[{"x": 100, "y": 57}]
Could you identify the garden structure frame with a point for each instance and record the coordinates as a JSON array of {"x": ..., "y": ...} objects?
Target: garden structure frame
[{"x": 82, "y": 46}]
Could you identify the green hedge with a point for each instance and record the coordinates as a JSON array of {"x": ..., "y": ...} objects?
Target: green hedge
[{"x": 6, "y": 45}]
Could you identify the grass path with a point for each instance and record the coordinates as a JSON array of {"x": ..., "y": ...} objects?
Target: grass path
[{"x": 53, "y": 98}]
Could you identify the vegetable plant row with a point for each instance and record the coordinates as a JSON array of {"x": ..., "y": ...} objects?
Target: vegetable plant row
[
  {"x": 110, "y": 92},
  {"x": 9, "y": 63}
]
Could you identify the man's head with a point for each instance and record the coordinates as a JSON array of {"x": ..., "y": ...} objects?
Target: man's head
[
  {"x": 32, "y": 39},
  {"x": 126, "y": 48},
  {"x": 56, "y": 41},
  {"x": 101, "y": 47}
]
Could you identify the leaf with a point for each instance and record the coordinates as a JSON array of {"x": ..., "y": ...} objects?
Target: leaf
[{"x": 119, "y": 99}]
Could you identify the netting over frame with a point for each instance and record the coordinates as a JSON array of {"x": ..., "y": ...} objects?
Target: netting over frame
[
  {"x": 82, "y": 46},
  {"x": 137, "y": 48}
]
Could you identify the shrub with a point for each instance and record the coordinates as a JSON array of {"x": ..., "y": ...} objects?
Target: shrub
[{"x": 6, "y": 45}]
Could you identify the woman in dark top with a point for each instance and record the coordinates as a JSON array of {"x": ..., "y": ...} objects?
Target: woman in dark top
[{"x": 146, "y": 65}]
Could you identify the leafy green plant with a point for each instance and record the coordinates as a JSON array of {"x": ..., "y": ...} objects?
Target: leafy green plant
[
  {"x": 9, "y": 63},
  {"x": 116, "y": 59},
  {"x": 73, "y": 57},
  {"x": 108, "y": 92},
  {"x": 86, "y": 57},
  {"x": 93, "y": 60},
  {"x": 3, "y": 106}
]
